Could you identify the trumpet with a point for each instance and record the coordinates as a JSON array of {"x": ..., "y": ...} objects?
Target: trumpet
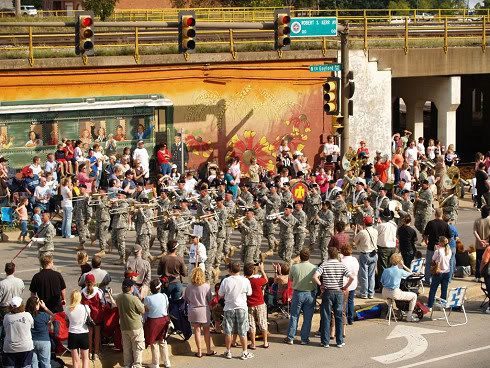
[
  {"x": 79, "y": 198},
  {"x": 119, "y": 210},
  {"x": 274, "y": 216},
  {"x": 163, "y": 217},
  {"x": 234, "y": 222}
]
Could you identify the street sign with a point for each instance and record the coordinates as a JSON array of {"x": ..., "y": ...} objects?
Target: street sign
[
  {"x": 326, "y": 68},
  {"x": 314, "y": 27}
]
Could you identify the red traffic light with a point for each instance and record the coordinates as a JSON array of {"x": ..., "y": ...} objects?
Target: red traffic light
[
  {"x": 86, "y": 21},
  {"x": 284, "y": 19},
  {"x": 188, "y": 21}
]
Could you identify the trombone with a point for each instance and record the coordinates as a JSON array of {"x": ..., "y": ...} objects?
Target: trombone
[
  {"x": 234, "y": 222},
  {"x": 274, "y": 216}
]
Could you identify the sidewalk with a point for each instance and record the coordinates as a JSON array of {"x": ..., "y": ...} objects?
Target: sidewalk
[{"x": 277, "y": 328}]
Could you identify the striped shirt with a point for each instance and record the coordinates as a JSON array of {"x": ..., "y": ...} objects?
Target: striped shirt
[{"x": 332, "y": 274}]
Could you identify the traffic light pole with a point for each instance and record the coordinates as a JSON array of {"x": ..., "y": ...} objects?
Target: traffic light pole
[{"x": 344, "y": 102}]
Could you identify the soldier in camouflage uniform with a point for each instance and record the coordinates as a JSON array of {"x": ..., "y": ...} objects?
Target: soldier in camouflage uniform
[
  {"x": 249, "y": 227},
  {"x": 231, "y": 212},
  {"x": 204, "y": 200},
  {"x": 326, "y": 220},
  {"x": 356, "y": 200},
  {"x": 373, "y": 189},
  {"x": 222, "y": 214},
  {"x": 179, "y": 230},
  {"x": 259, "y": 214},
  {"x": 119, "y": 226},
  {"x": 245, "y": 198},
  {"x": 407, "y": 207},
  {"x": 81, "y": 216},
  {"x": 423, "y": 207},
  {"x": 102, "y": 221},
  {"x": 366, "y": 209},
  {"x": 313, "y": 203},
  {"x": 143, "y": 224},
  {"x": 164, "y": 205},
  {"x": 340, "y": 209},
  {"x": 44, "y": 237},
  {"x": 381, "y": 203},
  {"x": 450, "y": 205},
  {"x": 300, "y": 229},
  {"x": 272, "y": 205},
  {"x": 287, "y": 226},
  {"x": 286, "y": 196},
  {"x": 262, "y": 190},
  {"x": 210, "y": 231}
]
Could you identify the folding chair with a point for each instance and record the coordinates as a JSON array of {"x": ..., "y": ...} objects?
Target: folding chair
[
  {"x": 391, "y": 310},
  {"x": 418, "y": 266},
  {"x": 455, "y": 299},
  {"x": 486, "y": 300}
]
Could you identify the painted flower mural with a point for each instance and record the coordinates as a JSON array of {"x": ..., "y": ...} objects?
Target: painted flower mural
[
  {"x": 247, "y": 146},
  {"x": 197, "y": 145}
]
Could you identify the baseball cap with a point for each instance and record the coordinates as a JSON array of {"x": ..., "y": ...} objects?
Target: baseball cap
[
  {"x": 368, "y": 220},
  {"x": 127, "y": 283},
  {"x": 16, "y": 301},
  {"x": 90, "y": 278}
]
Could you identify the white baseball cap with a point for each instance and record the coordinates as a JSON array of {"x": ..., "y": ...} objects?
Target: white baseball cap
[{"x": 16, "y": 301}]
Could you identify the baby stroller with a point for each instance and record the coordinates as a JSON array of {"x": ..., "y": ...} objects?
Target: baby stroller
[
  {"x": 411, "y": 283},
  {"x": 177, "y": 311}
]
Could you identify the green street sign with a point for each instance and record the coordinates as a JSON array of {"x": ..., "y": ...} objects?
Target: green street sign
[
  {"x": 326, "y": 68},
  {"x": 314, "y": 27}
]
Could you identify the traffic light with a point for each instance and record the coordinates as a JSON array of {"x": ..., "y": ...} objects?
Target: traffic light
[
  {"x": 84, "y": 34},
  {"x": 282, "y": 29},
  {"x": 337, "y": 125},
  {"x": 187, "y": 32},
  {"x": 350, "y": 88},
  {"x": 331, "y": 101}
]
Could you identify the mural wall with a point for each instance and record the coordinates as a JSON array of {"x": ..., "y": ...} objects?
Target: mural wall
[{"x": 223, "y": 109}]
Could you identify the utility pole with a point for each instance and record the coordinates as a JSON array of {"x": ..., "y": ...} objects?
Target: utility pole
[
  {"x": 17, "y": 8},
  {"x": 344, "y": 80}
]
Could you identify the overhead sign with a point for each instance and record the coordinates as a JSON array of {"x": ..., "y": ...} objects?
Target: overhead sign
[
  {"x": 314, "y": 27},
  {"x": 326, "y": 68},
  {"x": 299, "y": 191}
]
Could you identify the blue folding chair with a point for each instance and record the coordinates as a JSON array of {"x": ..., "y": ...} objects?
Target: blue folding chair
[
  {"x": 455, "y": 299},
  {"x": 7, "y": 215},
  {"x": 418, "y": 266}
]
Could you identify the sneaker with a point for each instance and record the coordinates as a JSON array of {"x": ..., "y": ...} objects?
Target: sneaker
[
  {"x": 412, "y": 319},
  {"x": 227, "y": 354},
  {"x": 477, "y": 279},
  {"x": 341, "y": 345},
  {"x": 487, "y": 311},
  {"x": 324, "y": 345},
  {"x": 305, "y": 342},
  {"x": 288, "y": 341},
  {"x": 167, "y": 365},
  {"x": 95, "y": 358},
  {"x": 371, "y": 296},
  {"x": 360, "y": 296},
  {"x": 246, "y": 355}
]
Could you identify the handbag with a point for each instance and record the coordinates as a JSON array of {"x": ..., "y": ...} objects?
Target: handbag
[
  {"x": 89, "y": 321},
  {"x": 434, "y": 268}
]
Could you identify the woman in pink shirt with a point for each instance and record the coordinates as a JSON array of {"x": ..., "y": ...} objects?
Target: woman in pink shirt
[{"x": 84, "y": 178}]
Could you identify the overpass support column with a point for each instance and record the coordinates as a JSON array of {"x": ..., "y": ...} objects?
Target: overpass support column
[
  {"x": 447, "y": 100},
  {"x": 415, "y": 118}
]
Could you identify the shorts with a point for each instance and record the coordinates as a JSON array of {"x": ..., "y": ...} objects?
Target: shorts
[
  {"x": 235, "y": 321},
  {"x": 14, "y": 360},
  {"x": 78, "y": 341},
  {"x": 257, "y": 317}
]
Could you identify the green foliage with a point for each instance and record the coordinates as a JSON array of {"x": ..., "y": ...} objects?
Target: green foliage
[
  {"x": 37, "y": 3},
  {"x": 101, "y": 8}
]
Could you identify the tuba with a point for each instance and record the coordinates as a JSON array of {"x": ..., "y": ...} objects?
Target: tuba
[
  {"x": 395, "y": 206},
  {"x": 349, "y": 160}
]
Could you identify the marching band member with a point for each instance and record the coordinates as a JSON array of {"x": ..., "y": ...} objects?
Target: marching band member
[
  {"x": 450, "y": 205},
  {"x": 222, "y": 215},
  {"x": 356, "y": 200},
  {"x": 119, "y": 225},
  {"x": 102, "y": 222},
  {"x": 259, "y": 214},
  {"x": 81, "y": 216},
  {"x": 143, "y": 224},
  {"x": 300, "y": 229},
  {"x": 178, "y": 228},
  {"x": 210, "y": 231},
  {"x": 286, "y": 196},
  {"x": 230, "y": 205},
  {"x": 249, "y": 227},
  {"x": 272, "y": 205},
  {"x": 313, "y": 203},
  {"x": 287, "y": 225},
  {"x": 407, "y": 206},
  {"x": 423, "y": 206},
  {"x": 325, "y": 218},
  {"x": 381, "y": 203},
  {"x": 340, "y": 209},
  {"x": 245, "y": 197},
  {"x": 164, "y": 205}
]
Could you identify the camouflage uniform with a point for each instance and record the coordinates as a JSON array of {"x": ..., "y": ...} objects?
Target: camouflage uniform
[
  {"x": 119, "y": 228},
  {"x": 250, "y": 230},
  {"x": 210, "y": 231},
  {"x": 286, "y": 199},
  {"x": 313, "y": 203},
  {"x": 326, "y": 221},
  {"x": 273, "y": 204},
  {"x": 299, "y": 231},
  {"x": 450, "y": 207},
  {"x": 375, "y": 187},
  {"x": 222, "y": 214},
  {"x": 103, "y": 219},
  {"x": 379, "y": 205},
  {"x": 81, "y": 217},
  {"x": 340, "y": 211},
  {"x": 202, "y": 203},
  {"x": 366, "y": 211},
  {"x": 164, "y": 205},
  {"x": 48, "y": 232},
  {"x": 287, "y": 225},
  {"x": 423, "y": 209},
  {"x": 356, "y": 199},
  {"x": 143, "y": 224},
  {"x": 246, "y": 199},
  {"x": 179, "y": 232},
  {"x": 231, "y": 212},
  {"x": 407, "y": 209},
  {"x": 260, "y": 217}
]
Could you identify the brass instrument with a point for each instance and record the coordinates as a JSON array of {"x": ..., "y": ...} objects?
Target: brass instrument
[
  {"x": 353, "y": 208},
  {"x": 79, "y": 198},
  {"x": 349, "y": 160},
  {"x": 445, "y": 200},
  {"x": 164, "y": 217},
  {"x": 199, "y": 219},
  {"x": 274, "y": 216},
  {"x": 234, "y": 222},
  {"x": 119, "y": 210},
  {"x": 452, "y": 178},
  {"x": 395, "y": 206}
]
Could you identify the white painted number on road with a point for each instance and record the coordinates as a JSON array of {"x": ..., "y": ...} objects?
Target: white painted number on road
[{"x": 417, "y": 344}]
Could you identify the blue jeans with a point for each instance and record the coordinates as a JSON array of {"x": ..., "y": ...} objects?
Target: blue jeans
[
  {"x": 165, "y": 169},
  {"x": 174, "y": 290},
  {"x": 42, "y": 354},
  {"x": 332, "y": 300},
  {"x": 23, "y": 228},
  {"x": 66, "y": 224},
  {"x": 440, "y": 279},
  {"x": 301, "y": 301},
  {"x": 367, "y": 272},
  {"x": 452, "y": 264},
  {"x": 428, "y": 260},
  {"x": 350, "y": 312}
]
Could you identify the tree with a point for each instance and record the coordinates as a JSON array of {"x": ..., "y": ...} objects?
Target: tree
[
  {"x": 101, "y": 8},
  {"x": 38, "y": 4}
]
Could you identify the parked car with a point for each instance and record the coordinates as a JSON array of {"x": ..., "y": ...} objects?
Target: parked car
[
  {"x": 399, "y": 20},
  {"x": 28, "y": 10},
  {"x": 425, "y": 16}
]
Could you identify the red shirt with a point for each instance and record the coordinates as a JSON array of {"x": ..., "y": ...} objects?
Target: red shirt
[
  {"x": 322, "y": 182},
  {"x": 68, "y": 152},
  {"x": 163, "y": 157},
  {"x": 339, "y": 240},
  {"x": 257, "y": 297},
  {"x": 95, "y": 303},
  {"x": 381, "y": 170}
]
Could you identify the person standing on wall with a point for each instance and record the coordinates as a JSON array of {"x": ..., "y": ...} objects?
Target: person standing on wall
[{"x": 180, "y": 153}]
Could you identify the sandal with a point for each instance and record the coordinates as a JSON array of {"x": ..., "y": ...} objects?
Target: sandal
[
  {"x": 212, "y": 353},
  {"x": 197, "y": 355},
  {"x": 252, "y": 347},
  {"x": 265, "y": 346}
]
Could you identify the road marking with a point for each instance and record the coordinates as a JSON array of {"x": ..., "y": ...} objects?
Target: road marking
[
  {"x": 416, "y": 343},
  {"x": 446, "y": 357}
]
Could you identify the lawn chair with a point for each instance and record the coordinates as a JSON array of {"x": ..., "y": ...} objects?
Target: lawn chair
[
  {"x": 455, "y": 299},
  {"x": 418, "y": 266},
  {"x": 486, "y": 300}
]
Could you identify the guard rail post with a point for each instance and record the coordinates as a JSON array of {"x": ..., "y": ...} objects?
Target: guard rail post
[
  {"x": 484, "y": 35},
  {"x": 31, "y": 48},
  {"x": 445, "y": 35},
  {"x": 136, "y": 45},
  {"x": 405, "y": 47},
  {"x": 365, "y": 34}
]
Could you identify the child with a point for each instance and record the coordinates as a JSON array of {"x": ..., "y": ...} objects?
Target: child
[
  {"x": 21, "y": 211},
  {"x": 127, "y": 154},
  {"x": 256, "y": 305},
  {"x": 197, "y": 254},
  {"x": 36, "y": 166},
  {"x": 82, "y": 260},
  {"x": 36, "y": 219},
  {"x": 69, "y": 156},
  {"x": 60, "y": 157},
  {"x": 282, "y": 277}
]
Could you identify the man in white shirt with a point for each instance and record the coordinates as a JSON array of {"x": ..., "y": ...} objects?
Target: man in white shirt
[
  {"x": 331, "y": 149},
  {"x": 42, "y": 193},
  {"x": 366, "y": 243},
  {"x": 9, "y": 287},
  {"x": 197, "y": 254},
  {"x": 235, "y": 289},
  {"x": 411, "y": 153},
  {"x": 386, "y": 242},
  {"x": 141, "y": 154}
]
